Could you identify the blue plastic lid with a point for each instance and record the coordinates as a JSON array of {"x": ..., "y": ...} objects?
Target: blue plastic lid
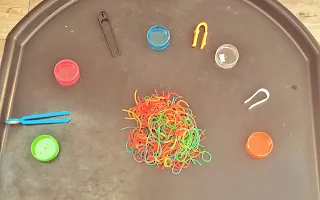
[{"x": 158, "y": 37}]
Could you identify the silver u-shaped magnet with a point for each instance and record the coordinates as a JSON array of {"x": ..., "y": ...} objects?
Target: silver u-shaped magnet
[{"x": 259, "y": 102}]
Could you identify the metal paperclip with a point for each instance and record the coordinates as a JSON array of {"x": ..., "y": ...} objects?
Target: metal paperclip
[{"x": 259, "y": 102}]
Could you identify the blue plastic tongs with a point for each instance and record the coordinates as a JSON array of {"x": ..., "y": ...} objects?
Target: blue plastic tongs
[{"x": 41, "y": 119}]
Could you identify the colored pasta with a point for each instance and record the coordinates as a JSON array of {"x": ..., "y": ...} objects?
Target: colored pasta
[{"x": 166, "y": 134}]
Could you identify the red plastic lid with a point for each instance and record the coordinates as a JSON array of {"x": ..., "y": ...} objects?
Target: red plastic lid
[{"x": 67, "y": 72}]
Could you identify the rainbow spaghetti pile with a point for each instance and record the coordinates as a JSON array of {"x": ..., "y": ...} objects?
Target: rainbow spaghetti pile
[{"x": 166, "y": 134}]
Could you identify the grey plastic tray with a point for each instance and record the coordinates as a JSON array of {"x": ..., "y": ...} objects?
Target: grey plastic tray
[{"x": 276, "y": 52}]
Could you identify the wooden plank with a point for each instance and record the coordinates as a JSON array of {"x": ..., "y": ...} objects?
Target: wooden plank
[
  {"x": 11, "y": 12},
  {"x": 34, "y": 3},
  {"x": 2, "y": 42},
  {"x": 308, "y": 12}
]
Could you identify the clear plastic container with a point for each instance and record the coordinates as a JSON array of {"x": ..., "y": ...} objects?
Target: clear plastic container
[{"x": 227, "y": 56}]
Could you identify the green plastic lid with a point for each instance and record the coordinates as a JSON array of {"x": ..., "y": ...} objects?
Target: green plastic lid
[{"x": 45, "y": 148}]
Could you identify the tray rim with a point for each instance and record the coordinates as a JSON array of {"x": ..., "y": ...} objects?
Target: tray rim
[{"x": 15, "y": 43}]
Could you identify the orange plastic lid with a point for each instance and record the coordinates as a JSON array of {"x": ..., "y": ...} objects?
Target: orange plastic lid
[{"x": 259, "y": 145}]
